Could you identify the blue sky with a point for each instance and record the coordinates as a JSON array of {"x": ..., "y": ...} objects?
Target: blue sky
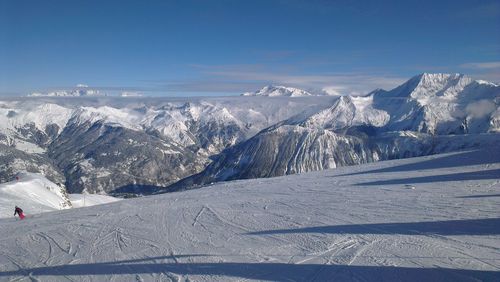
[{"x": 182, "y": 48}]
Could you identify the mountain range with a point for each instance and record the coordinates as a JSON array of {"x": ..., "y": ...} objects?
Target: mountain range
[
  {"x": 430, "y": 113},
  {"x": 81, "y": 90},
  {"x": 146, "y": 145}
]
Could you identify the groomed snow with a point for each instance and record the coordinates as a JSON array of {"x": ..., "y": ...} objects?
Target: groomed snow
[
  {"x": 87, "y": 200},
  {"x": 433, "y": 218}
]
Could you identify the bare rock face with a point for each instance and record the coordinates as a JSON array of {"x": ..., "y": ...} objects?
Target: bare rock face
[{"x": 106, "y": 158}]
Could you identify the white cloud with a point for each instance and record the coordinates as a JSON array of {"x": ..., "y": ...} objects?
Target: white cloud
[
  {"x": 333, "y": 90},
  {"x": 131, "y": 94},
  {"x": 332, "y": 83},
  {"x": 483, "y": 65},
  {"x": 480, "y": 108}
]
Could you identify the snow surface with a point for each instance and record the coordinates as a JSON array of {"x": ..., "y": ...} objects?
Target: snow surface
[
  {"x": 35, "y": 194},
  {"x": 432, "y": 218},
  {"x": 87, "y": 200}
]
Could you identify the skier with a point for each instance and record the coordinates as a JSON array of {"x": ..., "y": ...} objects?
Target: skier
[{"x": 19, "y": 211}]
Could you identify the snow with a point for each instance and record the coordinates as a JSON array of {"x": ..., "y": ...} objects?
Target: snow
[
  {"x": 29, "y": 147},
  {"x": 495, "y": 121},
  {"x": 348, "y": 111},
  {"x": 437, "y": 103},
  {"x": 427, "y": 86},
  {"x": 35, "y": 194},
  {"x": 279, "y": 91},
  {"x": 41, "y": 115},
  {"x": 87, "y": 200},
  {"x": 128, "y": 118},
  {"x": 484, "y": 82},
  {"x": 184, "y": 122},
  {"x": 432, "y": 218},
  {"x": 80, "y": 90}
]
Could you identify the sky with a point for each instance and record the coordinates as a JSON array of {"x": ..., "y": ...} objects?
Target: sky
[{"x": 227, "y": 47}]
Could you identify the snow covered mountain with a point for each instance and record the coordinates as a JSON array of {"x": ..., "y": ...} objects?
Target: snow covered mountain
[
  {"x": 35, "y": 194},
  {"x": 348, "y": 112},
  {"x": 129, "y": 145},
  {"x": 279, "y": 91},
  {"x": 81, "y": 90},
  {"x": 142, "y": 145},
  {"x": 437, "y": 104},
  {"x": 282, "y": 150},
  {"x": 441, "y": 104},
  {"x": 433, "y": 218},
  {"x": 294, "y": 149},
  {"x": 422, "y": 116}
]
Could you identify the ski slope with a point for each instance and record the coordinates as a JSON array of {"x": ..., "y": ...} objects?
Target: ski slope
[
  {"x": 36, "y": 194},
  {"x": 434, "y": 218}
]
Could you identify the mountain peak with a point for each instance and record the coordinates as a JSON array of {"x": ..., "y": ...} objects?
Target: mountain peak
[
  {"x": 430, "y": 75},
  {"x": 442, "y": 77},
  {"x": 279, "y": 91},
  {"x": 432, "y": 84}
]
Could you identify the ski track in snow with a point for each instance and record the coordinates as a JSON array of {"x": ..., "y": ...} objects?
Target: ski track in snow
[{"x": 335, "y": 225}]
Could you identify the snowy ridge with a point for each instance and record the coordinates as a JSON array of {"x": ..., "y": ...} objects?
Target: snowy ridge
[
  {"x": 279, "y": 91},
  {"x": 426, "y": 85},
  {"x": 433, "y": 218},
  {"x": 21, "y": 124},
  {"x": 185, "y": 123},
  {"x": 43, "y": 115},
  {"x": 347, "y": 112},
  {"x": 438, "y": 104},
  {"x": 109, "y": 115}
]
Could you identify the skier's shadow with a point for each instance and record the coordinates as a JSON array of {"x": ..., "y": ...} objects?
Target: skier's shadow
[{"x": 257, "y": 271}]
